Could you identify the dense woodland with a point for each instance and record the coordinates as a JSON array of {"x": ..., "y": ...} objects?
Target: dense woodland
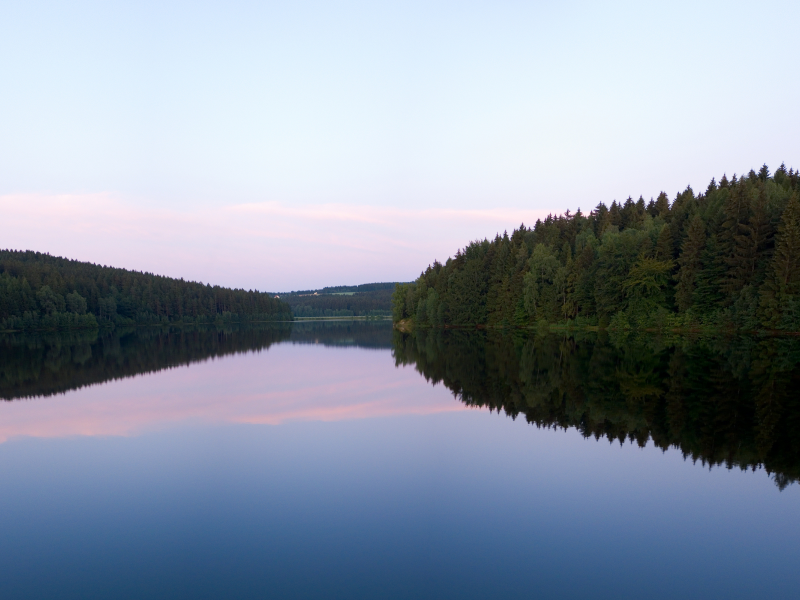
[
  {"x": 725, "y": 258},
  {"x": 369, "y": 299},
  {"x": 39, "y": 291},
  {"x": 722, "y": 401}
]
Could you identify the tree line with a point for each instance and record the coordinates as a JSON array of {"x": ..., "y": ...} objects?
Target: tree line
[
  {"x": 728, "y": 257},
  {"x": 40, "y": 291},
  {"x": 730, "y": 402},
  {"x": 339, "y": 289},
  {"x": 374, "y": 299}
]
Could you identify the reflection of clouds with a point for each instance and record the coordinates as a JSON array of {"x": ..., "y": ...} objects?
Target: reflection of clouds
[
  {"x": 288, "y": 383},
  {"x": 263, "y": 245},
  {"x": 364, "y": 410}
]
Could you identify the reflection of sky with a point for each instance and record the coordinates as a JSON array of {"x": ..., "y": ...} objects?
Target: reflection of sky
[
  {"x": 180, "y": 485},
  {"x": 287, "y": 383}
]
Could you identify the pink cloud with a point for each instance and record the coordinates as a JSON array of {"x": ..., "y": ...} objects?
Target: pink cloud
[{"x": 269, "y": 246}]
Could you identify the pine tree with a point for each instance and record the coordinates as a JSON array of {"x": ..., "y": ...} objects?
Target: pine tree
[
  {"x": 602, "y": 219},
  {"x": 584, "y": 281},
  {"x": 734, "y": 240},
  {"x": 761, "y": 236},
  {"x": 662, "y": 205},
  {"x": 690, "y": 263},
  {"x": 628, "y": 214},
  {"x": 664, "y": 244},
  {"x": 641, "y": 211},
  {"x": 781, "y": 177},
  {"x": 614, "y": 216},
  {"x": 781, "y": 291}
]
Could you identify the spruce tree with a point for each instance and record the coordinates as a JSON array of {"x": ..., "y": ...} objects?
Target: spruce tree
[
  {"x": 662, "y": 205},
  {"x": 781, "y": 291},
  {"x": 734, "y": 240},
  {"x": 690, "y": 263},
  {"x": 614, "y": 216},
  {"x": 664, "y": 244},
  {"x": 602, "y": 219}
]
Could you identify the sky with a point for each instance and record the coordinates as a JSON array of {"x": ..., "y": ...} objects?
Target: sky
[{"x": 281, "y": 146}]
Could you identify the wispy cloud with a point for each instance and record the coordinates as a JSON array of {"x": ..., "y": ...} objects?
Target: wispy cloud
[{"x": 266, "y": 245}]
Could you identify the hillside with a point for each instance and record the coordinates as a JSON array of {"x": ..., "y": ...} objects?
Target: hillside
[
  {"x": 369, "y": 299},
  {"x": 39, "y": 291},
  {"x": 725, "y": 258}
]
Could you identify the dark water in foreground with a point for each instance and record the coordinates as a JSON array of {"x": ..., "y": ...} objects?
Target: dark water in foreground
[{"x": 318, "y": 461}]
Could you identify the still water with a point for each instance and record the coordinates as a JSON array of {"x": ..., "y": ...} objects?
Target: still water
[{"x": 345, "y": 460}]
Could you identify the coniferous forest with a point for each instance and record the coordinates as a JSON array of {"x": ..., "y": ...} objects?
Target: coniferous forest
[
  {"x": 726, "y": 258},
  {"x": 39, "y": 291},
  {"x": 366, "y": 300}
]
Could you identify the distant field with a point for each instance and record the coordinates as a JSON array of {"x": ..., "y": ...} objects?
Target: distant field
[{"x": 369, "y": 299}]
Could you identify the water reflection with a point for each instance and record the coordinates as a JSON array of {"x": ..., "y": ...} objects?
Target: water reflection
[
  {"x": 42, "y": 365},
  {"x": 723, "y": 401},
  {"x": 300, "y": 372},
  {"x": 374, "y": 334}
]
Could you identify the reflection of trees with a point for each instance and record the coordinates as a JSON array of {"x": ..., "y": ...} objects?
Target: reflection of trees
[
  {"x": 722, "y": 402},
  {"x": 42, "y": 365},
  {"x": 363, "y": 334}
]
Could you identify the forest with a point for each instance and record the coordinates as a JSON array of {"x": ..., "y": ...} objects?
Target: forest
[
  {"x": 369, "y": 299},
  {"x": 43, "y": 292},
  {"x": 726, "y": 258}
]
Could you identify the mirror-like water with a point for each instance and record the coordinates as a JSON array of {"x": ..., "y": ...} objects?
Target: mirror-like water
[{"x": 316, "y": 460}]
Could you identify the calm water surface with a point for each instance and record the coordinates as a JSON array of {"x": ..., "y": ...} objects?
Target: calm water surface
[{"x": 342, "y": 460}]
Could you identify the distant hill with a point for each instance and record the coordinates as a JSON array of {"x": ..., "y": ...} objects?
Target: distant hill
[
  {"x": 40, "y": 291},
  {"x": 367, "y": 299}
]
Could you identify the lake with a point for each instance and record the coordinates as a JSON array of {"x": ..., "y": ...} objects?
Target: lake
[{"x": 345, "y": 460}]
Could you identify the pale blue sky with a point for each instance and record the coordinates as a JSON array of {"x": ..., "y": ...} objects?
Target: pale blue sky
[{"x": 413, "y": 105}]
